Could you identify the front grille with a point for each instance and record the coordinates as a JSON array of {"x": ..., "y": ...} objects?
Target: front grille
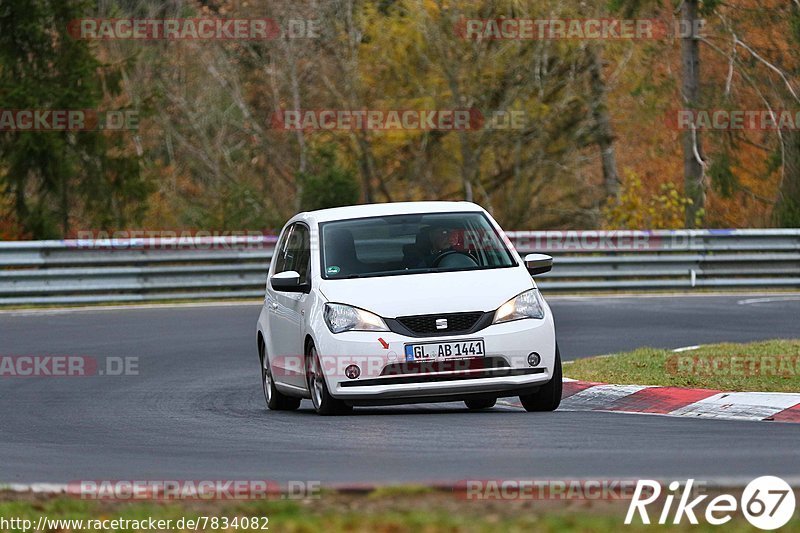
[{"x": 456, "y": 323}]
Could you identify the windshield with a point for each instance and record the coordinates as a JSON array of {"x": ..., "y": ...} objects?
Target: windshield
[{"x": 411, "y": 244}]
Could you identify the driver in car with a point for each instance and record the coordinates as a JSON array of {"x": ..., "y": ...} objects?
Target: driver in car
[
  {"x": 434, "y": 248},
  {"x": 440, "y": 243},
  {"x": 431, "y": 243},
  {"x": 445, "y": 253}
]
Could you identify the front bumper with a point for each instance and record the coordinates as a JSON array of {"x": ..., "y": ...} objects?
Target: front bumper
[{"x": 509, "y": 344}]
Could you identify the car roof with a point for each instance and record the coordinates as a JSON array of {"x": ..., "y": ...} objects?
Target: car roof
[{"x": 392, "y": 208}]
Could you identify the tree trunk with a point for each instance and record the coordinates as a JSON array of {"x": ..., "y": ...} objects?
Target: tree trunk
[
  {"x": 604, "y": 134},
  {"x": 469, "y": 166},
  {"x": 299, "y": 134},
  {"x": 693, "y": 171},
  {"x": 21, "y": 207},
  {"x": 787, "y": 209},
  {"x": 366, "y": 165},
  {"x": 64, "y": 207}
]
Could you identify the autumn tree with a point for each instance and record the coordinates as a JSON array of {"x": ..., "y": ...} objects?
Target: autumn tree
[{"x": 55, "y": 177}]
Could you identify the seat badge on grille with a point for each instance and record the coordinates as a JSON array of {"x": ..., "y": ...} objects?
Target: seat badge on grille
[{"x": 441, "y": 323}]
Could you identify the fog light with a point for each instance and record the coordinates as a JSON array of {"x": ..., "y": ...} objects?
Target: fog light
[
  {"x": 352, "y": 371},
  {"x": 534, "y": 359}
]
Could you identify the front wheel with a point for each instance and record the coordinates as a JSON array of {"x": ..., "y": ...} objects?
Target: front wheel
[
  {"x": 276, "y": 400},
  {"x": 324, "y": 403},
  {"x": 548, "y": 397}
]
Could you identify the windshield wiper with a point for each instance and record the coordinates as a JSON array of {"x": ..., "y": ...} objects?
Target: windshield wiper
[
  {"x": 403, "y": 271},
  {"x": 425, "y": 270}
]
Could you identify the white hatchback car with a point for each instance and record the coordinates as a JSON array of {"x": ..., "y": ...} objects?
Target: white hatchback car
[{"x": 405, "y": 303}]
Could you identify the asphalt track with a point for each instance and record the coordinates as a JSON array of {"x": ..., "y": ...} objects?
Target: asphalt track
[{"x": 195, "y": 411}]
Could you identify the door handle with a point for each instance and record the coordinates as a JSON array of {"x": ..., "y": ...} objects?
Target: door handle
[{"x": 273, "y": 305}]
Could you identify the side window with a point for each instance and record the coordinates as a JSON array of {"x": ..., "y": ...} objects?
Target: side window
[
  {"x": 298, "y": 257},
  {"x": 281, "y": 251}
]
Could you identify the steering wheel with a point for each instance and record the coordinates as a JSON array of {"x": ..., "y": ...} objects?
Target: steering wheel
[{"x": 454, "y": 259}]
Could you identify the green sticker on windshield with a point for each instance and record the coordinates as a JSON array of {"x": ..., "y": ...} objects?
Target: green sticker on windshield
[{"x": 333, "y": 270}]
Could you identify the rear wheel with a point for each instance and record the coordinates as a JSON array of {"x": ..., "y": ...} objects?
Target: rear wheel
[
  {"x": 476, "y": 404},
  {"x": 324, "y": 403},
  {"x": 276, "y": 400},
  {"x": 548, "y": 397}
]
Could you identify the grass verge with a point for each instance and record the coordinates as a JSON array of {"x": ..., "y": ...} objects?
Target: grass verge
[
  {"x": 393, "y": 511},
  {"x": 768, "y": 366}
]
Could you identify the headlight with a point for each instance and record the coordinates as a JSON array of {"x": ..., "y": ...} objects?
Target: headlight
[
  {"x": 346, "y": 318},
  {"x": 527, "y": 305}
]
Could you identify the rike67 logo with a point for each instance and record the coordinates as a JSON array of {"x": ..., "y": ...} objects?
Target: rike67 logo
[{"x": 767, "y": 502}]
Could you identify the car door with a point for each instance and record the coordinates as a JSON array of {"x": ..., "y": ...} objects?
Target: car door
[
  {"x": 275, "y": 328},
  {"x": 288, "y": 308}
]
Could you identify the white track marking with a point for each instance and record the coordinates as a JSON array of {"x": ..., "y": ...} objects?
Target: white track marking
[
  {"x": 600, "y": 396},
  {"x": 740, "y": 405},
  {"x": 44, "y": 488},
  {"x": 686, "y": 348},
  {"x": 768, "y": 300}
]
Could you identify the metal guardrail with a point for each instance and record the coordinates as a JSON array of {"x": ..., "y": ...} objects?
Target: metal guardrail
[{"x": 137, "y": 270}]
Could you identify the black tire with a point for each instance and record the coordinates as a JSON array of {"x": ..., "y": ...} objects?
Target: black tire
[
  {"x": 476, "y": 404},
  {"x": 276, "y": 401},
  {"x": 324, "y": 403},
  {"x": 548, "y": 397}
]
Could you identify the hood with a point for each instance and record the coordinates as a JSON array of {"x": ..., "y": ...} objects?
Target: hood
[{"x": 424, "y": 294}]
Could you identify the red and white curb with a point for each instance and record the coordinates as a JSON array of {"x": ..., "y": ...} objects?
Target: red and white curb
[{"x": 682, "y": 402}]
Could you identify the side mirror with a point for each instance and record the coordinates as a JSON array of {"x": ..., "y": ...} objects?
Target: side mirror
[
  {"x": 288, "y": 281},
  {"x": 538, "y": 264}
]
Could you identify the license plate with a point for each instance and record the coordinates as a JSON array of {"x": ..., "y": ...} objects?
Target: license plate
[{"x": 445, "y": 350}]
